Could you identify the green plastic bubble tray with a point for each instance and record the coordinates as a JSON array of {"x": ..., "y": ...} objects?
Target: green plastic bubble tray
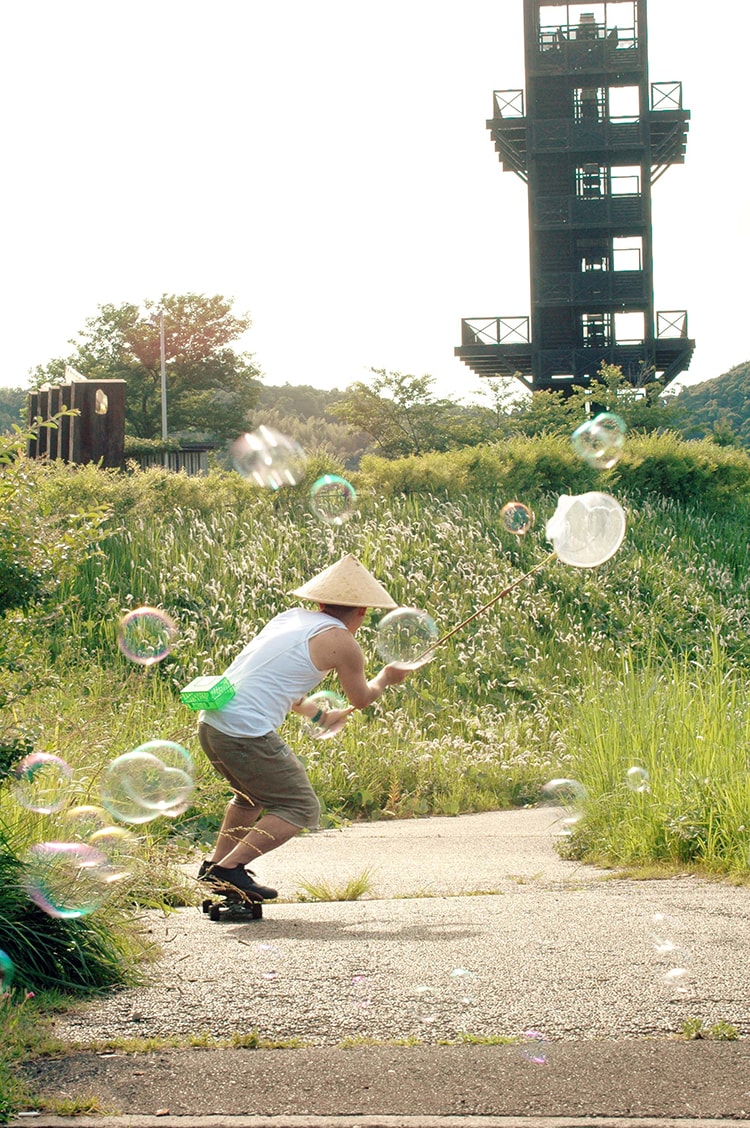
[{"x": 207, "y": 693}]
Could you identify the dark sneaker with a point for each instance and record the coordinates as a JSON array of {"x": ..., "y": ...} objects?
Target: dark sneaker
[
  {"x": 206, "y": 865},
  {"x": 238, "y": 878}
]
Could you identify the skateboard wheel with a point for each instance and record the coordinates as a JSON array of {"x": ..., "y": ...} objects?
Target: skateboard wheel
[
  {"x": 214, "y": 912},
  {"x": 206, "y": 905}
]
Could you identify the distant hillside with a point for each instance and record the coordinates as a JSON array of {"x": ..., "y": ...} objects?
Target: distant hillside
[{"x": 718, "y": 408}]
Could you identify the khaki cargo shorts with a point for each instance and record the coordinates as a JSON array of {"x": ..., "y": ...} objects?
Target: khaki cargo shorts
[{"x": 264, "y": 773}]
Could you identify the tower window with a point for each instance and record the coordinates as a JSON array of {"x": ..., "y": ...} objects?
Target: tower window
[
  {"x": 629, "y": 328},
  {"x": 593, "y": 254},
  {"x": 625, "y": 180},
  {"x": 589, "y": 103},
  {"x": 627, "y": 253},
  {"x": 624, "y": 103},
  {"x": 596, "y": 329},
  {"x": 591, "y": 181}
]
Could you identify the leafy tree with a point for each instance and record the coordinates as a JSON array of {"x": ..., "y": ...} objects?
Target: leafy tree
[
  {"x": 12, "y": 404},
  {"x": 210, "y": 387},
  {"x": 400, "y": 414}
]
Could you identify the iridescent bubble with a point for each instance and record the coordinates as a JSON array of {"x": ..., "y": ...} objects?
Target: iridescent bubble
[
  {"x": 533, "y": 1047},
  {"x": 571, "y": 795},
  {"x": 176, "y": 791},
  {"x": 138, "y": 787},
  {"x": 119, "y": 847},
  {"x": 637, "y": 779},
  {"x": 7, "y": 971},
  {"x": 405, "y": 638},
  {"x": 41, "y": 782},
  {"x": 586, "y": 529},
  {"x": 171, "y": 754},
  {"x": 332, "y": 499},
  {"x": 678, "y": 981},
  {"x": 79, "y": 823},
  {"x": 424, "y": 1004},
  {"x": 462, "y": 979},
  {"x": 600, "y": 441},
  {"x": 517, "y": 517},
  {"x": 268, "y": 458},
  {"x": 145, "y": 635},
  {"x": 360, "y": 991},
  {"x": 65, "y": 879},
  {"x": 323, "y": 702}
]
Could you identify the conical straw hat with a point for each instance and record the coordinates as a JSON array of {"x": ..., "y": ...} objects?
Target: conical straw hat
[{"x": 346, "y": 584}]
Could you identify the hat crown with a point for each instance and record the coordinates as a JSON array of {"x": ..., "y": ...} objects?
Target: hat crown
[{"x": 347, "y": 583}]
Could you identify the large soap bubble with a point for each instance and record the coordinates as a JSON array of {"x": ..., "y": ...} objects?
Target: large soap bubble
[
  {"x": 145, "y": 635},
  {"x": 600, "y": 441},
  {"x": 139, "y": 786},
  {"x": 268, "y": 458},
  {"x": 586, "y": 529},
  {"x": 65, "y": 879},
  {"x": 405, "y": 638},
  {"x": 41, "y": 782}
]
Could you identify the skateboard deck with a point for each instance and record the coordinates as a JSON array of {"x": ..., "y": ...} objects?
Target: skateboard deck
[{"x": 231, "y": 906}]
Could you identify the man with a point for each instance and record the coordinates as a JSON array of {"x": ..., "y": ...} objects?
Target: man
[{"x": 273, "y": 798}]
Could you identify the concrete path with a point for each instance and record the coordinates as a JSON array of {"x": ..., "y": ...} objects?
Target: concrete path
[{"x": 473, "y": 930}]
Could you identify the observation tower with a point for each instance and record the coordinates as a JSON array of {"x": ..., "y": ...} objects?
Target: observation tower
[{"x": 590, "y": 137}]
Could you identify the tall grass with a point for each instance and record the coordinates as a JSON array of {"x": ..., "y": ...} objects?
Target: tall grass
[{"x": 687, "y": 725}]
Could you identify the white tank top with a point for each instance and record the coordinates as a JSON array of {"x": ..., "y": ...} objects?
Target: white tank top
[{"x": 272, "y": 672}]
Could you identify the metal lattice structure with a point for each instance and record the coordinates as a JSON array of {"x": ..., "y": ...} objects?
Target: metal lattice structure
[{"x": 589, "y": 136}]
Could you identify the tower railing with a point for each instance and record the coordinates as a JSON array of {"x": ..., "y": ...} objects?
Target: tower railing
[{"x": 495, "y": 331}]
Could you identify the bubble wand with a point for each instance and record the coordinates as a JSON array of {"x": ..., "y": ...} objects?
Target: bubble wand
[{"x": 486, "y": 606}]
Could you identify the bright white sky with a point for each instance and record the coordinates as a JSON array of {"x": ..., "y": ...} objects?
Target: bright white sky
[{"x": 325, "y": 163}]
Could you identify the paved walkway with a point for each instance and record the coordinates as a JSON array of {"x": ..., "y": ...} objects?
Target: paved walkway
[{"x": 474, "y": 929}]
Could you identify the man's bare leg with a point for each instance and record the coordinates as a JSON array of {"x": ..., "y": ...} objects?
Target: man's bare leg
[
  {"x": 267, "y": 833},
  {"x": 237, "y": 822}
]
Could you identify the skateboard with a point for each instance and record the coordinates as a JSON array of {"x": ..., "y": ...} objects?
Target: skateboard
[{"x": 231, "y": 905}]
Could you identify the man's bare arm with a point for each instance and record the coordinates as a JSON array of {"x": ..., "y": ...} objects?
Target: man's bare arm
[{"x": 338, "y": 650}]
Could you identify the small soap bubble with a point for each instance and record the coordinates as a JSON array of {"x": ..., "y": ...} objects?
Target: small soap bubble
[
  {"x": 41, "y": 782},
  {"x": 600, "y": 441},
  {"x": 323, "y": 702},
  {"x": 119, "y": 847},
  {"x": 533, "y": 1047},
  {"x": 7, "y": 971},
  {"x": 146, "y": 635},
  {"x": 637, "y": 780},
  {"x": 571, "y": 795},
  {"x": 79, "y": 823},
  {"x": 405, "y": 638},
  {"x": 424, "y": 1004},
  {"x": 462, "y": 979},
  {"x": 360, "y": 991},
  {"x": 268, "y": 458},
  {"x": 332, "y": 499},
  {"x": 677, "y": 981},
  {"x": 517, "y": 518},
  {"x": 175, "y": 793},
  {"x": 65, "y": 879}
]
